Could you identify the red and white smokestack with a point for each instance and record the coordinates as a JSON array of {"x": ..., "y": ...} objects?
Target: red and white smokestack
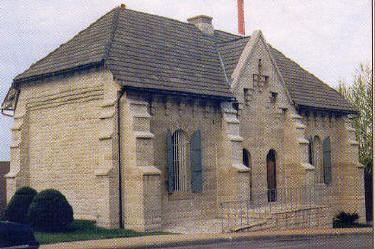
[{"x": 241, "y": 20}]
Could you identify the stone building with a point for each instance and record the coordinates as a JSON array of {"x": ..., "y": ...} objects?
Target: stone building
[{"x": 139, "y": 115}]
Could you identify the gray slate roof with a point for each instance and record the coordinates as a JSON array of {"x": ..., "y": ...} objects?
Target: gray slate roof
[
  {"x": 143, "y": 51},
  {"x": 153, "y": 52},
  {"x": 306, "y": 90}
]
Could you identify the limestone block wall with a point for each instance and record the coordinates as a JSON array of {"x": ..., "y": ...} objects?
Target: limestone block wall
[
  {"x": 140, "y": 178},
  {"x": 235, "y": 184},
  {"x": 55, "y": 141},
  {"x": 268, "y": 121},
  {"x": 188, "y": 114},
  {"x": 346, "y": 189}
]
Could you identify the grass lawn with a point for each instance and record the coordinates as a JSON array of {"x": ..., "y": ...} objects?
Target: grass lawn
[{"x": 87, "y": 230}]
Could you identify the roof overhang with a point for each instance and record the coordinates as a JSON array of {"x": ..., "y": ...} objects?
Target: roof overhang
[
  {"x": 178, "y": 93},
  {"x": 328, "y": 110}
]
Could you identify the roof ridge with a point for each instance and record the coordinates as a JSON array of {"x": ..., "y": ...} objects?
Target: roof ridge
[
  {"x": 233, "y": 40},
  {"x": 115, "y": 21},
  {"x": 229, "y": 33},
  {"x": 221, "y": 60},
  {"x": 156, "y": 15}
]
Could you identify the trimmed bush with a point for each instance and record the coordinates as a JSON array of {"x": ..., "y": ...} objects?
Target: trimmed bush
[
  {"x": 347, "y": 218},
  {"x": 50, "y": 211},
  {"x": 17, "y": 207}
]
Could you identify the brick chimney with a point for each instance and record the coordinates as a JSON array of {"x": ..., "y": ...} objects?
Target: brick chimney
[
  {"x": 204, "y": 23},
  {"x": 241, "y": 20}
]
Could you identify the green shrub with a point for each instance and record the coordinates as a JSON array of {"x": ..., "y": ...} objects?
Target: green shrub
[
  {"x": 17, "y": 207},
  {"x": 347, "y": 218},
  {"x": 50, "y": 211}
]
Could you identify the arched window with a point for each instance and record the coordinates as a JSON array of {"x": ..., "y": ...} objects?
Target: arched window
[
  {"x": 246, "y": 158},
  {"x": 271, "y": 175},
  {"x": 317, "y": 159},
  {"x": 179, "y": 160}
]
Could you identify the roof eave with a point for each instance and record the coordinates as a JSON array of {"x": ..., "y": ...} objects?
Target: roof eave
[
  {"x": 16, "y": 81},
  {"x": 314, "y": 108},
  {"x": 179, "y": 93}
]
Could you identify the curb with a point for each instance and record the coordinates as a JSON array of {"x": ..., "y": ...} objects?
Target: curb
[{"x": 158, "y": 241}]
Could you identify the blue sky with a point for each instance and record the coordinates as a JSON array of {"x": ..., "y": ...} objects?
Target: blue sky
[{"x": 328, "y": 38}]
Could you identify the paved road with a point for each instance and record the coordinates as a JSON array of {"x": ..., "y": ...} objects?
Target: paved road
[{"x": 346, "y": 241}]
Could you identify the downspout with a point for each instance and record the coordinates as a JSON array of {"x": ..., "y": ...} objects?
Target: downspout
[{"x": 119, "y": 155}]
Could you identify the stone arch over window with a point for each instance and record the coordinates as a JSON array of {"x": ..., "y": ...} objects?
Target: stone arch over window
[
  {"x": 271, "y": 175},
  {"x": 317, "y": 159}
]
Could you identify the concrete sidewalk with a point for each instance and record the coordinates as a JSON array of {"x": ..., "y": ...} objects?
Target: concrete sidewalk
[{"x": 191, "y": 239}]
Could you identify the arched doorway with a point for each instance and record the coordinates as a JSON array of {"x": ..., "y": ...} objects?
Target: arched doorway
[
  {"x": 246, "y": 160},
  {"x": 271, "y": 176}
]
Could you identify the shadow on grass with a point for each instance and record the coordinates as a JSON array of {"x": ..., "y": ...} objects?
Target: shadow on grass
[{"x": 87, "y": 230}]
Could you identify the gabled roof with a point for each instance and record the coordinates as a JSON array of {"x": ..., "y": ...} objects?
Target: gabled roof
[
  {"x": 306, "y": 90},
  {"x": 153, "y": 52}
]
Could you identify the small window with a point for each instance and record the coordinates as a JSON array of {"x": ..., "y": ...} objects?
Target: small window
[
  {"x": 179, "y": 160},
  {"x": 273, "y": 97}
]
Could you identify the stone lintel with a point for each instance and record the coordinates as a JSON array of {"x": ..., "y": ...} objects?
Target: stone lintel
[
  {"x": 353, "y": 142},
  {"x": 308, "y": 166},
  {"x": 302, "y": 141},
  {"x": 103, "y": 171},
  {"x": 15, "y": 144},
  {"x": 106, "y": 134},
  {"x": 109, "y": 103},
  {"x": 235, "y": 138},
  {"x": 231, "y": 120},
  {"x": 295, "y": 116},
  {"x": 13, "y": 173},
  {"x": 107, "y": 114},
  {"x": 149, "y": 170},
  {"x": 17, "y": 124},
  {"x": 144, "y": 134},
  {"x": 240, "y": 167},
  {"x": 300, "y": 126}
]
